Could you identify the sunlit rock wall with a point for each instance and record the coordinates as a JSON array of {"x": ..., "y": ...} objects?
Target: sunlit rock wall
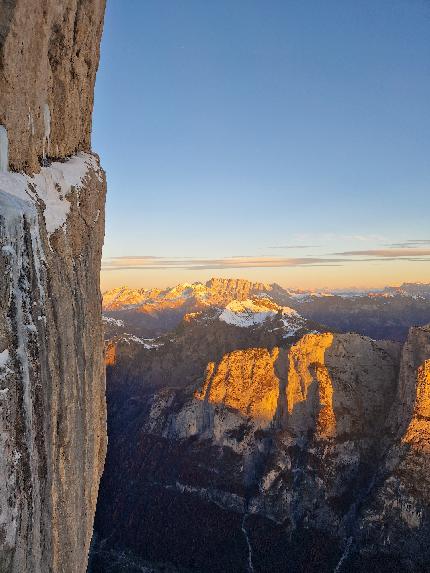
[
  {"x": 49, "y": 54},
  {"x": 52, "y": 194}
]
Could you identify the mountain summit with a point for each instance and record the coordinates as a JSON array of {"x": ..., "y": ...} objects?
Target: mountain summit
[{"x": 388, "y": 313}]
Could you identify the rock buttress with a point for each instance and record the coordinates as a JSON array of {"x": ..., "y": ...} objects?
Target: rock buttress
[
  {"x": 52, "y": 195},
  {"x": 49, "y": 54}
]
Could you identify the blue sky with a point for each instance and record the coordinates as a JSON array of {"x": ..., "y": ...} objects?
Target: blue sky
[{"x": 273, "y": 131}]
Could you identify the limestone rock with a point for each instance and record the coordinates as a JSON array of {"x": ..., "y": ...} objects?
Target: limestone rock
[
  {"x": 396, "y": 520},
  {"x": 52, "y": 405},
  {"x": 49, "y": 54},
  {"x": 246, "y": 381},
  {"x": 384, "y": 315},
  {"x": 287, "y": 447},
  {"x": 52, "y": 380}
]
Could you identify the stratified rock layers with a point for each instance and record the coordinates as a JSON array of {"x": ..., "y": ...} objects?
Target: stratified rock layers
[{"x": 52, "y": 404}]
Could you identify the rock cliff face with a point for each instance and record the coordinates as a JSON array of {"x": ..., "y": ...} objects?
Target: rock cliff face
[
  {"x": 49, "y": 54},
  {"x": 310, "y": 456},
  {"x": 52, "y": 406},
  {"x": 397, "y": 518}
]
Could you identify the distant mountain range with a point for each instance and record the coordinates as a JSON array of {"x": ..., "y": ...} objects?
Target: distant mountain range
[
  {"x": 384, "y": 314},
  {"x": 222, "y": 291}
]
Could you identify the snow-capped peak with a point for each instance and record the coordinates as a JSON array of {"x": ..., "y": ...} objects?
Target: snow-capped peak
[{"x": 251, "y": 312}]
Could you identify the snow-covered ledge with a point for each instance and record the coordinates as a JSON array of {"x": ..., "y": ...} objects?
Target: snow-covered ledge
[
  {"x": 49, "y": 188},
  {"x": 52, "y": 407}
]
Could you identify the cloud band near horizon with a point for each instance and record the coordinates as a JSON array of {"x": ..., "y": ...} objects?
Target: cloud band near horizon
[{"x": 148, "y": 262}]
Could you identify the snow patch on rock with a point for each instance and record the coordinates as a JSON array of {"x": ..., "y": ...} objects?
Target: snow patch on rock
[
  {"x": 254, "y": 312},
  {"x": 113, "y": 321},
  {"x": 4, "y": 358},
  {"x": 51, "y": 185},
  {"x": 147, "y": 343}
]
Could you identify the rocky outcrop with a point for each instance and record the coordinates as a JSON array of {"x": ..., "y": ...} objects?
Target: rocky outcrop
[
  {"x": 396, "y": 522},
  {"x": 246, "y": 381},
  {"x": 52, "y": 405},
  {"x": 224, "y": 290},
  {"x": 183, "y": 353},
  {"x": 49, "y": 54},
  {"x": 286, "y": 447}
]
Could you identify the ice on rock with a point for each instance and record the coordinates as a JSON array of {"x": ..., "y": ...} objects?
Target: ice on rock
[
  {"x": 4, "y": 358},
  {"x": 4, "y": 150},
  {"x": 47, "y": 125},
  {"x": 22, "y": 198},
  {"x": 30, "y": 122}
]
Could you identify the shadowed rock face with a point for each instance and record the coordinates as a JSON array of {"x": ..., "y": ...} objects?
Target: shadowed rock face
[
  {"x": 396, "y": 522},
  {"x": 309, "y": 457},
  {"x": 52, "y": 405}
]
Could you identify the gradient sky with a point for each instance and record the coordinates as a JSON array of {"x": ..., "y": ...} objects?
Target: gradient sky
[{"x": 279, "y": 140}]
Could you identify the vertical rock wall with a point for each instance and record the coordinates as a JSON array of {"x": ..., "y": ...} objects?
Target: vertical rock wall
[
  {"x": 52, "y": 193},
  {"x": 49, "y": 54}
]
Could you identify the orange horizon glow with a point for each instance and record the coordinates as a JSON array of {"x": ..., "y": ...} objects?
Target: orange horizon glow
[{"x": 357, "y": 275}]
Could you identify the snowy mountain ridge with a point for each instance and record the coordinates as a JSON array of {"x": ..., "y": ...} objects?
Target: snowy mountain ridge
[{"x": 218, "y": 290}]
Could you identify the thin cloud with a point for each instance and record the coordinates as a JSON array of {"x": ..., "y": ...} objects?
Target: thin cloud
[
  {"x": 323, "y": 238},
  {"x": 412, "y": 243},
  {"x": 294, "y": 247},
  {"x": 137, "y": 257},
  {"x": 159, "y": 263},
  {"x": 373, "y": 256},
  {"x": 392, "y": 253}
]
